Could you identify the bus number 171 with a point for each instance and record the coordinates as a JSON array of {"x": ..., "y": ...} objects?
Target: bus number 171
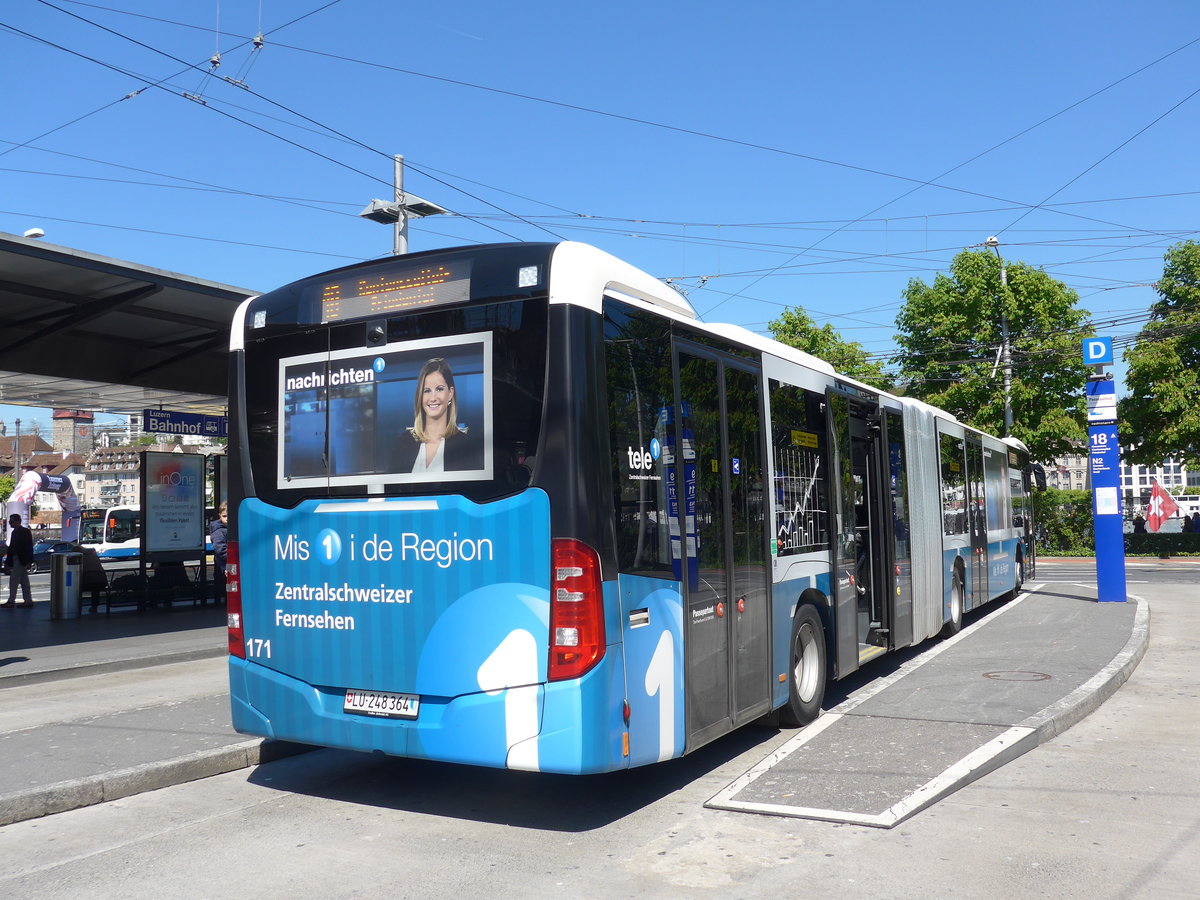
[{"x": 257, "y": 647}]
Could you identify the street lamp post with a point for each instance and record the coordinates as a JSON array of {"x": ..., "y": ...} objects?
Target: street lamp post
[
  {"x": 397, "y": 212},
  {"x": 1005, "y": 349}
]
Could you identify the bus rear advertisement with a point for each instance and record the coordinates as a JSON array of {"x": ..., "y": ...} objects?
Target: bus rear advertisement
[{"x": 514, "y": 506}]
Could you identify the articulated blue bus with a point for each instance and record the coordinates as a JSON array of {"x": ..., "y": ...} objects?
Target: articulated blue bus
[{"x": 514, "y": 506}]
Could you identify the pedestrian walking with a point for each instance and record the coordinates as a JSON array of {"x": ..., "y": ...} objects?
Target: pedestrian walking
[{"x": 18, "y": 560}]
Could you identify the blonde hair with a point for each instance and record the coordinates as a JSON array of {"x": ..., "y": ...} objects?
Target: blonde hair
[{"x": 442, "y": 367}]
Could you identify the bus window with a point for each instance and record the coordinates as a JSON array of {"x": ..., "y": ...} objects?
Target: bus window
[
  {"x": 995, "y": 485},
  {"x": 1016, "y": 489},
  {"x": 123, "y": 525},
  {"x": 313, "y": 439},
  {"x": 798, "y": 444},
  {"x": 647, "y": 472},
  {"x": 954, "y": 497}
]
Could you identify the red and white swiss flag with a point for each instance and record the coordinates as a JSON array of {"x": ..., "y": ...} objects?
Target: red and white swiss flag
[{"x": 1162, "y": 507}]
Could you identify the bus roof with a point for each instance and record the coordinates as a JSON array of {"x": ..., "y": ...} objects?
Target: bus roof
[{"x": 581, "y": 274}]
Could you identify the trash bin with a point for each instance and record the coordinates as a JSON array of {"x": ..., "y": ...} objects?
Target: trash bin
[{"x": 65, "y": 582}]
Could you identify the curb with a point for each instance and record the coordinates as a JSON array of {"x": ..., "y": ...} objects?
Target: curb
[
  {"x": 1088, "y": 697},
  {"x": 1038, "y": 728},
  {"x": 64, "y": 796},
  {"x": 115, "y": 665}
]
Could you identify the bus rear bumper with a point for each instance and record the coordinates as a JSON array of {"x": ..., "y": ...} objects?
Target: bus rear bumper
[{"x": 569, "y": 727}]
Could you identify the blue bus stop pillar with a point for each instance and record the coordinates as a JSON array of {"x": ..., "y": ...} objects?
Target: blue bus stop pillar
[{"x": 1107, "y": 518}]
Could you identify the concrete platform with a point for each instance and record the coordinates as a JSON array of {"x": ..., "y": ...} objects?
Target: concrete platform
[
  {"x": 1024, "y": 672},
  {"x": 104, "y": 706}
]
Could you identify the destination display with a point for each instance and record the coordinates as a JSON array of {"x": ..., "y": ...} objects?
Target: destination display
[{"x": 433, "y": 284}]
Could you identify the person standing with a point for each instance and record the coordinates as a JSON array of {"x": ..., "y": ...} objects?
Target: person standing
[
  {"x": 18, "y": 560},
  {"x": 220, "y": 542}
]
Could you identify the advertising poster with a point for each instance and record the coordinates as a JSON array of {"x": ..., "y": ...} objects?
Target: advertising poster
[
  {"x": 174, "y": 507},
  {"x": 412, "y": 411}
]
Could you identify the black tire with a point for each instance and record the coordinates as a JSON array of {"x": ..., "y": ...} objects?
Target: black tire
[
  {"x": 957, "y": 600},
  {"x": 807, "y": 670},
  {"x": 32, "y": 568},
  {"x": 1020, "y": 585}
]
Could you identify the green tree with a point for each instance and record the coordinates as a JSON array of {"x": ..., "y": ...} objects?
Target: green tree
[
  {"x": 1160, "y": 413},
  {"x": 950, "y": 337},
  {"x": 796, "y": 329},
  {"x": 8, "y": 484},
  {"x": 1064, "y": 522}
]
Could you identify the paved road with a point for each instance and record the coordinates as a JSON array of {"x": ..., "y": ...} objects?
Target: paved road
[{"x": 1138, "y": 571}]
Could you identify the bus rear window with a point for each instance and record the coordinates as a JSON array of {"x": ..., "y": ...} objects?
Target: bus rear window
[
  {"x": 405, "y": 412},
  {"x": 421, "y": 403}
]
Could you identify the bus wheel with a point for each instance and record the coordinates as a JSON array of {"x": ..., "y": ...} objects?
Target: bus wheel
[
  {"x": 806, "y": 687},
  {"x": 1020, "y": 585},
  {"x": 953, "y": 627}
]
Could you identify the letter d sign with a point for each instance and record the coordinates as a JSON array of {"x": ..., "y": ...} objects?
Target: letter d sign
[{"x": 1097, "y": 351}]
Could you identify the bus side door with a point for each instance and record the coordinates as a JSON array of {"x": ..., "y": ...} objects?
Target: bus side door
[
  {"x": 977, "y": 577},
  {"x": 727, "y": 575},
  {"x": 862, "y": 554}
]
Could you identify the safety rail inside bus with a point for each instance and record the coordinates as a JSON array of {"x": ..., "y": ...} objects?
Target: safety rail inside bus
[{"x": 514, "y": 506}]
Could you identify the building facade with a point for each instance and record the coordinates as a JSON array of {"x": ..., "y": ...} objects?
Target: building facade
[
  {"x": 1072, "y": 473},
  {"x": 112, "y": 477},
  {"x": 1137, "y": 481}
]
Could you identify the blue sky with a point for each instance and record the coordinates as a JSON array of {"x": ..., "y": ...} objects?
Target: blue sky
[{"x": 762, "y": 155}]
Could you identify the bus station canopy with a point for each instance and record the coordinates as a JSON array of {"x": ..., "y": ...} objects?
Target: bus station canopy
[{"x": 81, "y": 331}]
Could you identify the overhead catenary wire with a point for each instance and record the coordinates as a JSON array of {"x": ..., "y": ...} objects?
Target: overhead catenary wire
[
  {"x": 1095, "y": 93},
  {"x": 295, "y": 144},
  {"x": 308, "y": 119},
  {"x": 926, "y": 260},
  {"x": 707, "y": 135}
]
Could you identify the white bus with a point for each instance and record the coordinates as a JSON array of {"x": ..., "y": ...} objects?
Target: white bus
[{"x": 114, "y": 532}]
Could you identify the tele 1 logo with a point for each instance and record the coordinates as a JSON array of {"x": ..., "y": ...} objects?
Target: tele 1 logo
[{"x": 642, "y": 458}]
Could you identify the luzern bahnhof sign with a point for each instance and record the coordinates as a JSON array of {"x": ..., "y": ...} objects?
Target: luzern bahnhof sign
[
  {"x": 1107, "y": 518},
  {"x": 164, "y": 421}
]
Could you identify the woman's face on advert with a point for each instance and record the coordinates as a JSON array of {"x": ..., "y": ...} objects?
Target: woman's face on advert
[{"x": 436, "y": 396}]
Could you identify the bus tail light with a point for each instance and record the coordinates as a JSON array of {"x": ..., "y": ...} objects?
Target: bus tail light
[
  {"x": 576, "y": 609},
  {"x": 233, "y": 602}
]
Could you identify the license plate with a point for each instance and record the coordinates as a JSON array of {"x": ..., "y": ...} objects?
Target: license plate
[{"x": 381, "y": 703}]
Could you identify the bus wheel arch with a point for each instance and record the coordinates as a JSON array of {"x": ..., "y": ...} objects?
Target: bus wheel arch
[
  {"x": 957, "y": 601},
  {"x": 808, "y": 669}
]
